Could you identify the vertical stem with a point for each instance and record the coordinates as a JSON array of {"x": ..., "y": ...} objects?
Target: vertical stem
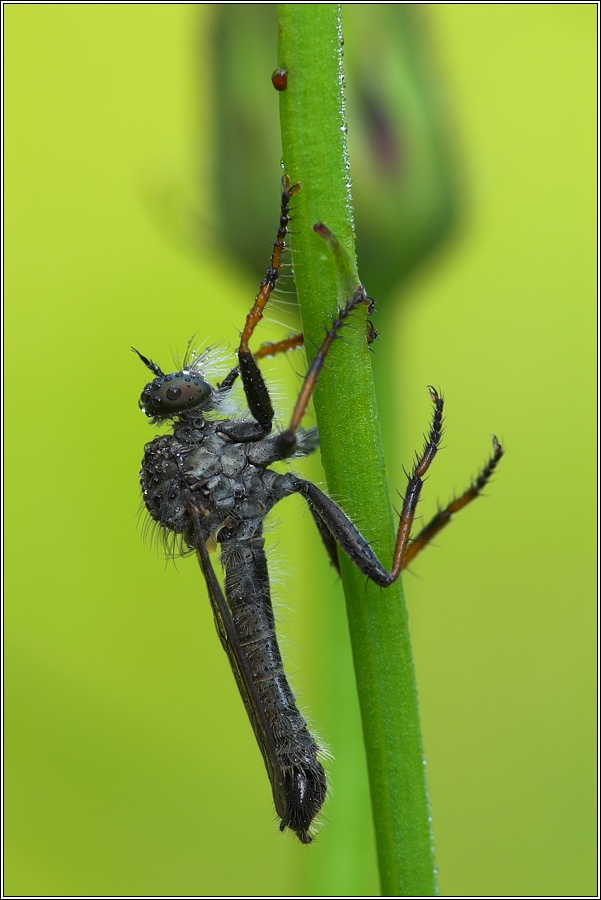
[{"x": 314, "y": 147}]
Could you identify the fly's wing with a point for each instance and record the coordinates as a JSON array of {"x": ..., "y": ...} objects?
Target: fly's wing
[{"x": 241, "y": 669}]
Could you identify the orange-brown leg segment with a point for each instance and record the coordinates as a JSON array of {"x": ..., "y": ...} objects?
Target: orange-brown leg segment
[
  {"x": 332, "y": 520},
  {"x": 443, "y": 516},
  {"x": 255, "y": 389},
  {"x": 344, "y": 533},
  {"x": 267, "y": 350},
  {"x": 283, "y": 346},
  {"x": 287, "y": 438},
  {"x": 415, "y": 484}
]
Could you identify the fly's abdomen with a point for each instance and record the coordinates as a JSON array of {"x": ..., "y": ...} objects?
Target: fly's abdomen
[{"x": 295, "y": 749}]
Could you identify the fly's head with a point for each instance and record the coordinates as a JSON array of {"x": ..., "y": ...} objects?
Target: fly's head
[{"x": 168, "y": 396}]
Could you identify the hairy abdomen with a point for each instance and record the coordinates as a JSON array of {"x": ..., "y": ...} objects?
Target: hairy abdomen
[{"x": 296, "y": 750}]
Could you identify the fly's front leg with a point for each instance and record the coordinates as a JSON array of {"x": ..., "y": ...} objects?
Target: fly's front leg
[
  {"x": 267, "y": 350},
  {"x": 327, "y": 538},
  {"x": 255, "y": 389},
  {"x": 247, "y": 432}
]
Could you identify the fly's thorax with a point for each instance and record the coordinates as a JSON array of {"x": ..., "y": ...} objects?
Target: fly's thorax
[
  {"x": 163, "y": 477},
  {"x": 161, "y": 482},
  {"x": 216, "y": 472},
  {"x": 225, "y": 480}
]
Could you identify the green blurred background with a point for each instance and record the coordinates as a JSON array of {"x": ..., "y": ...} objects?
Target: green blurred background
[{"x": 130, "y": 767}]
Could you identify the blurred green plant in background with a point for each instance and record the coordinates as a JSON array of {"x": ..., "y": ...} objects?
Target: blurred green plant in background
[
  {"x": 402, "y": 162},
  {"x": 130, "y": 768}
]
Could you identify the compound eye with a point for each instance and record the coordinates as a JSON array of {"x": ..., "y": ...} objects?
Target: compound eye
[{"x": 172, "y": 394}]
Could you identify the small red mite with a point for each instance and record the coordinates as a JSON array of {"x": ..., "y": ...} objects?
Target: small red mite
[{"x": 279, "y": 79}]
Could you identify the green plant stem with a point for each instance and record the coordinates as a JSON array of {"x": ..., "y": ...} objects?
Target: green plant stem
[{"x": 314, "y": 148}]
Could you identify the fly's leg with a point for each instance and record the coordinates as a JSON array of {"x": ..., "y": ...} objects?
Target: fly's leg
[
  {"x": 296, "y": 750},
  {"x": 328, "y": 540},
  {"x": 290, "y": 343},
  {"x": 415, "y": 484},
  {"x": 334, "y": 527},
  {"x": 288, "y": 442},
  {"x": 287, "y": 439},
  {"x": 443, "y": 516},
  {"x": 267, "y": 350},
  {"x": 255, "y": 389},
  {"x": 349, "y": 539},
  {"x": 352, "y": 542}
]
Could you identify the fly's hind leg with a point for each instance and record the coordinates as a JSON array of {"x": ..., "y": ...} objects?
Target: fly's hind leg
[
  {"x": 443, "y": 516},
  {"x": 341, "y": 530},
  {"x": 328, "y": 540},
  {"x": 255, "y": 389},
  {"x": 344, "y": 533}
]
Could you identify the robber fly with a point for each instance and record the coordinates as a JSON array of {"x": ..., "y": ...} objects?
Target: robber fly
[{"x": 209, "y": 482}]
